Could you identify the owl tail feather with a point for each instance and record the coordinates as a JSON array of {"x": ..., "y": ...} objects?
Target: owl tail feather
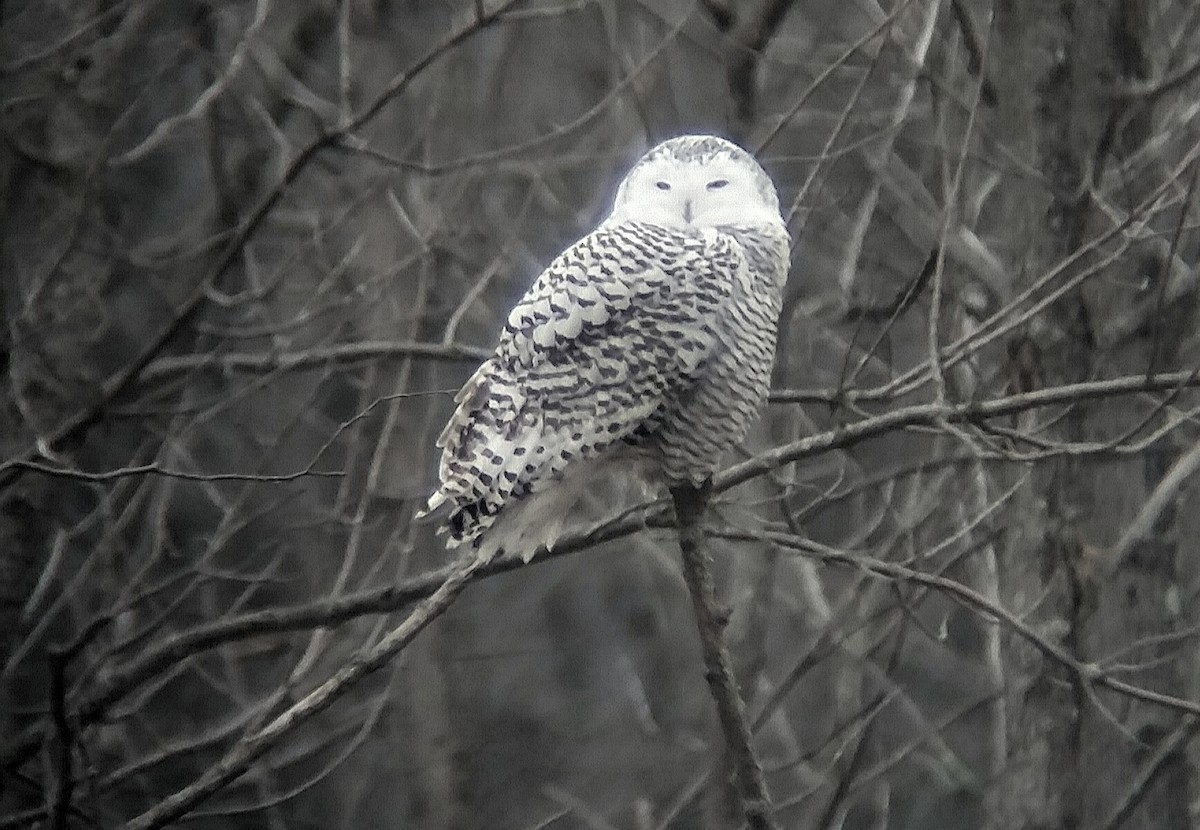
[
  {"x": 583, "y": 496},
  {"x": 528, "y": 524},
  {"x": 434, "y": 509}
]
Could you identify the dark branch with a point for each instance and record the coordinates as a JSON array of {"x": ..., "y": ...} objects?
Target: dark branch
[
  {"x": 749, "y": 32},
  {"x": 1167, "y": 750},
  {"x": 962, "y": 16}
]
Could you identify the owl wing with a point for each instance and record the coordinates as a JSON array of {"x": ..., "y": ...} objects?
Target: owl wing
[{"x": 616, "y": 321}]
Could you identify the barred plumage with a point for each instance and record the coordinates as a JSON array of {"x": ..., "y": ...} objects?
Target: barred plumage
[{"x": 650, "y": 339}]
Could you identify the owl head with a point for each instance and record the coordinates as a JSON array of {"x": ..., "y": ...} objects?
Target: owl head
[{"x": 696, "y": 181}]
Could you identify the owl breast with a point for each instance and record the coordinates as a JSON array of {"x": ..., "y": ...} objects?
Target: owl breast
[{"x": 696, "y": 425}]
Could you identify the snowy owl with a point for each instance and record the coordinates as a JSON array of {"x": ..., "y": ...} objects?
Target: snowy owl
[{"x": 647, "y": 346}]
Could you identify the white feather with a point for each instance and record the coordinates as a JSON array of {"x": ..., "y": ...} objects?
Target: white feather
[{"x": 587, "y": 493}]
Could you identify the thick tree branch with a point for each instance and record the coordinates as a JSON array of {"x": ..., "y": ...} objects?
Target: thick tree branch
[
  {"x": 691, "y": 503},
  {"x": 749, "y": 36}
]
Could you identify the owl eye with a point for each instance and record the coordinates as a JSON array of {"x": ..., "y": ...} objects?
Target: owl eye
[
  {"x": 717, "y": 184},
  {"x": 662, "y": 185}
]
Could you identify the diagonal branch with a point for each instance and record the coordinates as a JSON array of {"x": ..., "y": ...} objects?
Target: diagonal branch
[
  {"x": 153, "y": 660},
  {"x": 1164, "y": 493},
  {"x": 1137, "y": 788},
  {"x": 366, "y": 661}
]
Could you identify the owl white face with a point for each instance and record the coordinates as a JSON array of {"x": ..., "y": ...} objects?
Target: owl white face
[{"x": 685, "y": 183}]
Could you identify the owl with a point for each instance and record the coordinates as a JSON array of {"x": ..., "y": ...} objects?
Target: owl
[{"x": 645, "y": 348}]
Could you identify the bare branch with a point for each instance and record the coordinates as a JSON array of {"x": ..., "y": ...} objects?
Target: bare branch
[
  {"x": 1089, "y": 674},
  {"x": 1166, "y": 491},
  {"x": 159, "y": 470},
  {"x": 1168, "y": 747},
  {"x": 880, "y": 28},
  {"x": 1147, "y": 92},
  {"x": 392, "y": 598},
  {"x": 1048, "y": 396},
  {"x": 252, "y": 747},
  {"x": 691, "y": 503},
  {"x": 976, "y": 60},
  {"x": 204, "y": 101},
  {"x": 919, "y": 49}
]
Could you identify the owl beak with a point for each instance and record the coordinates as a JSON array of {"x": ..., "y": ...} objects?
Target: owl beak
[{"x": 687, "y": 211}]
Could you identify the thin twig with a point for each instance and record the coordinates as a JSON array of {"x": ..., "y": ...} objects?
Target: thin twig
[
  {"x": 691, "y": 503},
  {"x": 1048, "y": 396},
  {"x": 155, "y": 469},
  {"x": 204, "y": 102},
  {"x": 268, "y": 361},
  {"x": 1165, "y": 275}
]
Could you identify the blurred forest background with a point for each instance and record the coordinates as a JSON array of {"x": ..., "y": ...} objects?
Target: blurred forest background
[{"x": 250, "y": 249}]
